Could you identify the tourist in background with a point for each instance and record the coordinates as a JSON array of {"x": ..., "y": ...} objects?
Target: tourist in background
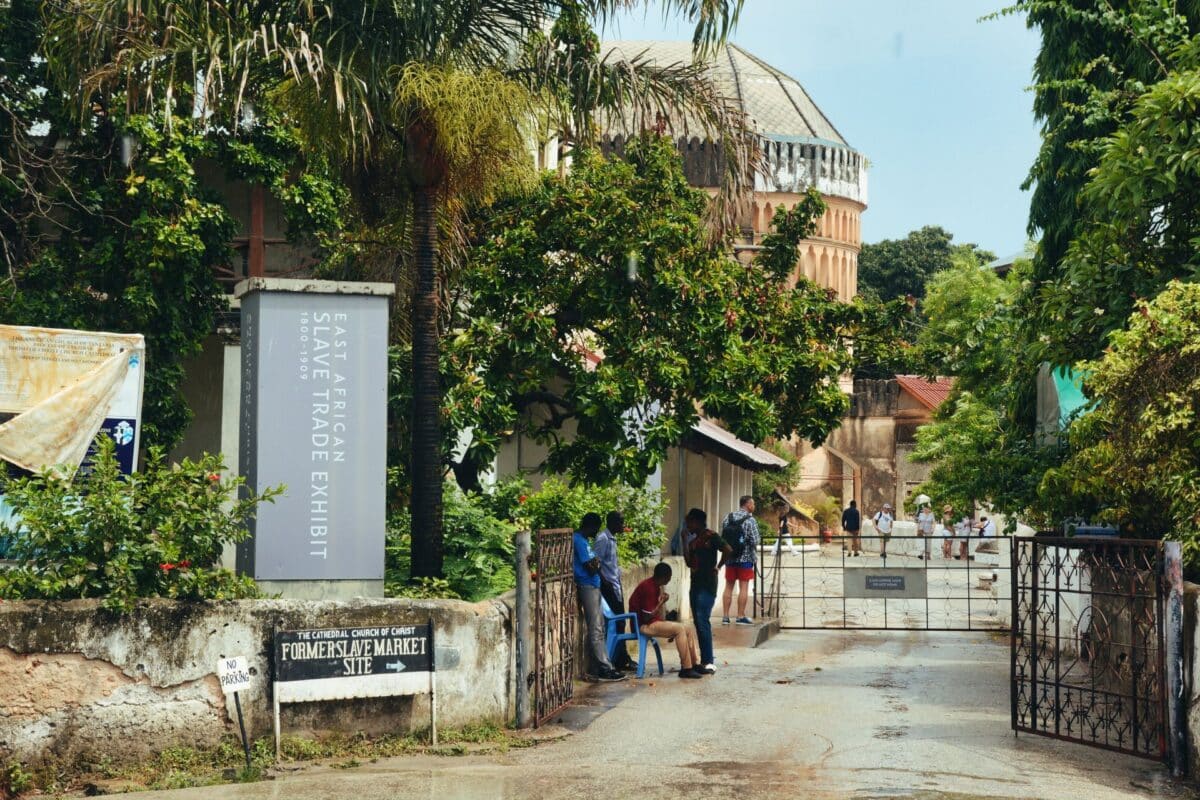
[
  {"x": 740, "y": 532},
  {"x": 925, "y": 523},
  {"x": 785, "y": 532},
  {"x": 947, "y": 530},
  {"x": 852, "y": 524},
  {"x": 883, "y": 520}
]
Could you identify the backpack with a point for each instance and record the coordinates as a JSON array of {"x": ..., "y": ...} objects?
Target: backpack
[{"x": 734, "y": 534}]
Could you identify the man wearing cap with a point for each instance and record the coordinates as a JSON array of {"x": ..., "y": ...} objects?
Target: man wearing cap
[{"x": 883, "y": 523}]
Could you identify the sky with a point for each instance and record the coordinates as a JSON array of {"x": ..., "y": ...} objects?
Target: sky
[{"x": 936, "y": 99}]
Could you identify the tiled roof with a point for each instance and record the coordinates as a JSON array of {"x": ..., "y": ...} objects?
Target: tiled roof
[
  {"x": 776, "y": 103},
  {"x": 930, "y": 394}
]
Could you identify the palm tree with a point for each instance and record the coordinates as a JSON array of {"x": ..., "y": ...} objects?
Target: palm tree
[{"x": 424, "y": 101}]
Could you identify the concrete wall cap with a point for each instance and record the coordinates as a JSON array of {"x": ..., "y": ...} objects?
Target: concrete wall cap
[{"x": 307, "y": 286}]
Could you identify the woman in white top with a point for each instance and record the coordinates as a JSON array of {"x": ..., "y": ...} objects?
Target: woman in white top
[{"x": 925, "y": 522}]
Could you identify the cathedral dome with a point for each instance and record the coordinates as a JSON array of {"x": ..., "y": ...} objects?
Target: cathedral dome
[{"x": 802, "y": 146}]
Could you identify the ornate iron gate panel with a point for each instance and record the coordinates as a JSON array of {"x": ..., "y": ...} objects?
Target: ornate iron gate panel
[
  {"x": 1087, "y": 642},
  {"x": 554, "y": 620}
]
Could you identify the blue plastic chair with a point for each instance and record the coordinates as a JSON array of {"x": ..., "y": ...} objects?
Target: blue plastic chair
[{"x": 613, "y": 637}]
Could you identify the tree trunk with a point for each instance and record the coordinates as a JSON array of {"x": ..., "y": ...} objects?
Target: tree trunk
[{"x": 427, "y": 470}]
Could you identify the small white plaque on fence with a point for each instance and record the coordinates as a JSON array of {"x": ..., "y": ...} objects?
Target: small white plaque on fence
[{"x": 234, "y": 674}]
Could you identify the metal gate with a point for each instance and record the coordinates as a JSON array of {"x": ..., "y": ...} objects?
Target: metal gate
[
  {"x": 554, "y": 620},
  {"x": 917, "y": 586},
  {"x": 1088, "y": 642}
]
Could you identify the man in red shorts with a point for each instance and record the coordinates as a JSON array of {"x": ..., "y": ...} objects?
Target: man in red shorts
[
  {"x": 740, "y": 532},
  {"x": 647, "y": 602}
]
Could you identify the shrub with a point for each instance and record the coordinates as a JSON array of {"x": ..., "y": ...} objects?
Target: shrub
[
  {"x": 156, "y": 533},
  {"x": 478, "y": 558},
  {"x": 559, "y": 504}
]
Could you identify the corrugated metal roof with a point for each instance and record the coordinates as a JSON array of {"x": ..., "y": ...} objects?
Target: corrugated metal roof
[
  {"x": 776, "y": 103},
  {"x": 930, "y": 394},
  {"x": 736, "y": 450}
]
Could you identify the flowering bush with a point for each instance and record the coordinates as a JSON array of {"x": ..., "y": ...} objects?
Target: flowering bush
[{"x": 156, "y": 533}]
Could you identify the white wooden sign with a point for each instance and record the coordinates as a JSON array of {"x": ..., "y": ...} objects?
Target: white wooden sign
[{"x": 234, "y": 674}]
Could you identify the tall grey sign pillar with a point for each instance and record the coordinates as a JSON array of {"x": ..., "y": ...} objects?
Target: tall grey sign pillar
[{"x": 314, "y": 418}]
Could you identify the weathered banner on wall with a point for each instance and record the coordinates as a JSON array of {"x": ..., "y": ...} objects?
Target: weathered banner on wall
[{"x": 59, "y": 388}]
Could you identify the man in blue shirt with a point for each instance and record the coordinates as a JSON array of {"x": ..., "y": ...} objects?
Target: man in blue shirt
[
  {"x": 610, "y": 580},
  {"x": 586, "y": 567}
]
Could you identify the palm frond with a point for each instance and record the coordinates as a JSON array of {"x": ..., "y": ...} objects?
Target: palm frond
[
  {"x": 627, "y": 94},
  {"x": 714, "y": 19}
]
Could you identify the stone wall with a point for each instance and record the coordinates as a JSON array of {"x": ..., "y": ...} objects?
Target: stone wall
[{"x": 79, "y": 682}]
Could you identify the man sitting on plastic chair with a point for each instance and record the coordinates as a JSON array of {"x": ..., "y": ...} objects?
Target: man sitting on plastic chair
[
  {"x": 615, "y": 636},
  {"x": 647, "y": 601}
]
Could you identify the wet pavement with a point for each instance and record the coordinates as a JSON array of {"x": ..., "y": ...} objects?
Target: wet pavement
[{"x": 811, "y": 714}]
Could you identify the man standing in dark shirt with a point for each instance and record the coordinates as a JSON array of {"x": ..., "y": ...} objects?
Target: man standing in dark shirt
[
  {"x": 852, "y": 524},
  {"x": 704, "y": 549}
]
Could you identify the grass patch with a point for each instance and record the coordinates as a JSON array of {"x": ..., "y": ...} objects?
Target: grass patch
[{"x": 188, "y": 767}]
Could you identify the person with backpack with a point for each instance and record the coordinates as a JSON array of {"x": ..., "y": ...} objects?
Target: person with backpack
[
  {"x": 883, "y": 520},
  {"x": 740, "y": 532}
]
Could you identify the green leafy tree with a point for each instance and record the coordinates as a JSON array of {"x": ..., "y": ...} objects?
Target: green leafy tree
[
  {"x": 1098, "y": 98},
  {"x": 1135, "y": 458},
  {"x": 978, "y": 443},
  {"x": 104, "y": 221},
  {"x": 600, "y": 320},
  {"x": 1115, "y": 196},
  {"x": 420, "y": 101},
  {"x": 901, "y": 267},
  {"x": 156, "y": 533}
]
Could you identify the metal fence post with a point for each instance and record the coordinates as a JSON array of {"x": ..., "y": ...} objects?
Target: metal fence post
[
  {"x": 1176, "y": 685},
  {"x": 524, "y": 713}
]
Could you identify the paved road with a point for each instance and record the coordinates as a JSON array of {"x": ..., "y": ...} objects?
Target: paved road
[{"x": 811, "y": 714}]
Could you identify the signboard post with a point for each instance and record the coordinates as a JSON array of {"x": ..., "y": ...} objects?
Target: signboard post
[
  {"x": 343, "y": 663},
  {"x": 314, "y": 418},
  {"x": 234, "y": 675}
]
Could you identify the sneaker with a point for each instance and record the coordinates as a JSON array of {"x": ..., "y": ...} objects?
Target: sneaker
[
  {"x": 724, "y": 620},
  {"x": 689, "y": 673},
  {"x": 744, "y": 621},
  {"x": 709, "y": 669},
  {"x": 611, "y": 675}
]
